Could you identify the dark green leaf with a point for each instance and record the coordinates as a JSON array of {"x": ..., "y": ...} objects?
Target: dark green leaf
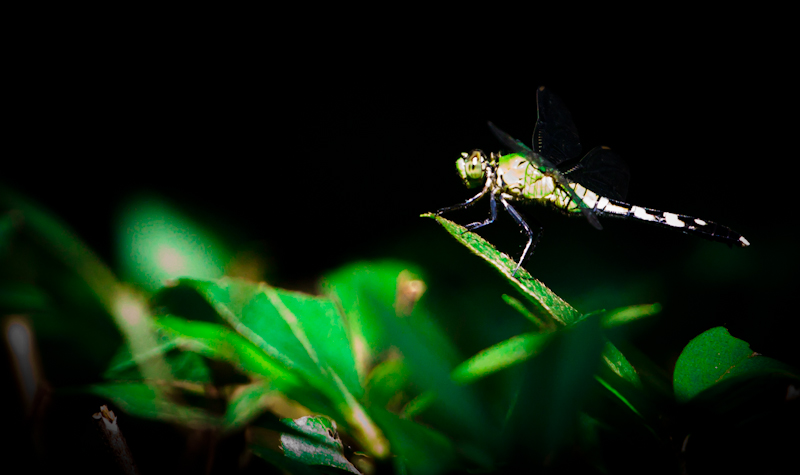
[
  {"x": 421, "y": 449},
  {"x": 551, "y": 303},
  {"x": 715, "y": 356},
  {"x": 620, "y": 365},
  {"x": 321, "y": 447}
]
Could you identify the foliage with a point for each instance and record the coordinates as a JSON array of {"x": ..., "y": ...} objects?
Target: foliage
[{"x": 367, "y": 356}]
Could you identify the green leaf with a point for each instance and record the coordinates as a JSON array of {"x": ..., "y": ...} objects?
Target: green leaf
[
  {"x": 322, "y": 446},
  {"x": 457, "y": 406},
  {"x": 518, "y": 306},
  {"x": 554, "y": 388},
  {"x": 623, "y": 315},
  {"x": 158, "y": 243},
  {"x": 247, "y": 402},
  {"x": 386, "y": 383},
  {"x": 306, "y": 335},
  {"x": 545, "y": 298},
  {"x": 184, "y": 366},
  {"x": 303, "y": 332},
  {"x": 500, "y": 356},
  {"x": 489, "y": 361},
  {"x": 365, "y": 291},
  {"x": 218, "y": 342},
  {"x": 715, "y": 356},
  {"x": 616, "y": 362},
  {"x": 421, "y": 449}
]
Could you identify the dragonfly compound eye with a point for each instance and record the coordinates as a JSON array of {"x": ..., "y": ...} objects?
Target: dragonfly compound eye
[{"x": 471, "y": 168}]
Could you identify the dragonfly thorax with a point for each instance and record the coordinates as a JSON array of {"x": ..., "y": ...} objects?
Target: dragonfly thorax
[{"x": 522, "y": 179}]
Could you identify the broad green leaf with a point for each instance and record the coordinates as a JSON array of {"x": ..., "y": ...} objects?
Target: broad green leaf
[
  {"x": 302, "y": 332},
  {"x": 365, "y": 290},
  {"x": 715, "y": 356},
  {"x": 305, "y": 334},
  {"x": 551, "y": 303},
  {"x": 218, "y": 342},
  {"x": 348, "y": 286},
  {"x": 623, "y": 315},
  {"x": 322, "y": 446}
]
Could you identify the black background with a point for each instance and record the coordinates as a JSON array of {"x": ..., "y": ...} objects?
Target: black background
[{"x": 319, "y": 143}]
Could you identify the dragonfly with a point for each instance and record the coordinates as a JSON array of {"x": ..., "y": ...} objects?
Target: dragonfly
[{"x": 551, "y": 172}]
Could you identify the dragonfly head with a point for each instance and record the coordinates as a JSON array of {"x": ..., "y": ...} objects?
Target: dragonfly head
[{"x": 472, "y": 168}]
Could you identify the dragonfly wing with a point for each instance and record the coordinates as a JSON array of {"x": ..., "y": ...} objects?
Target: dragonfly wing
[
  {"x": 519, "y": 147},
  {"x": 585, "y": 210},
  {"x": 555, "y": 136},
  {"x": 603, "y": 172},
  {"x": 510, "y": 142}
]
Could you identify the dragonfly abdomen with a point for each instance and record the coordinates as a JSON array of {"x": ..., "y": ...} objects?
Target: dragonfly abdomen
[{"x": 688, "y": 224}]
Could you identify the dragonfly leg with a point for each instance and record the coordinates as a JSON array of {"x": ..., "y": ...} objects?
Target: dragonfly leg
[
  {"x": 487, "y": 221},
  {"x": 463, "y": 205},
  {"x": 531, "y": 245}
]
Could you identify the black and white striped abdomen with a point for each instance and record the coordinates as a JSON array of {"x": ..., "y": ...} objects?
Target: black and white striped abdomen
[{"x": 688, "y": 224}]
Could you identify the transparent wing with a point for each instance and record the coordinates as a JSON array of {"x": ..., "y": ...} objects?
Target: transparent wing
[
  {"x": 519, "y": 147},
  {"x": 510, "y": 142},
  {"x": 601, "y": 171},
  {"x": 555, "y": 136}
]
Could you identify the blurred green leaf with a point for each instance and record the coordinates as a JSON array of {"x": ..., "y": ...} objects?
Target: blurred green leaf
[
  {"x": 458, "y": 410},
  {"x": 518, "y": 306},
  {"x": 715, "y": 356},
  {"x": 302, "y": 332},
  {"x": 127, "y": 309},
  {"x": 321, "y": 447},
  {"x": 147, "y": 401},
  {"x": 158, "y": 243},
  {"x": 551, "y": 303},
  {"x": 555, "y": 386},
  {"x": 623, "y": 315},
  {"x": 500, "y": 356},
  {"x": 7, "y": 224},
  {"x": 306, "y": 335},
  {"x": 247, "y": 403},
  {"x": 507, "y": 353},
  {"x": 367, "y": 289},
  {"x": 386, "y": 383},
  {"x": 184, "y": 366},
  {"x": 216, "y": 341},
  {"x": 420, "y": 449}
]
